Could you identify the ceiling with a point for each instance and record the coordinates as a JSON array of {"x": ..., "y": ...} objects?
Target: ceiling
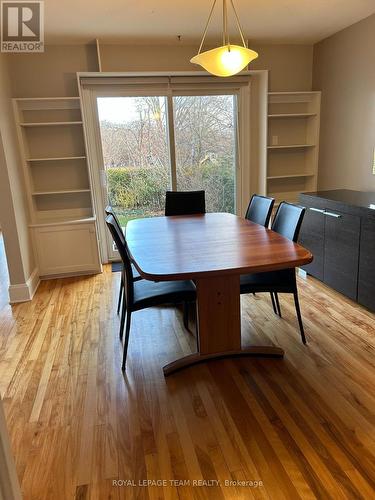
[{"x": 161, "y": 21}]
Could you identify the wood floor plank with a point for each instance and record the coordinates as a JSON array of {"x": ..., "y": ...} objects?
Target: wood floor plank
[
  {"x": 262, "y": 416},
  {"x": 301, "y": 427}
]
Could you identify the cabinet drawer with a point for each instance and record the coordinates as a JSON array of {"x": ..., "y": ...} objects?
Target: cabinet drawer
[
  {"x": 67, "y": 249},
  {"x": 312, "y": 238},
  {"x": 366, "y": 281},
  {"x": 341, "y": 252}
]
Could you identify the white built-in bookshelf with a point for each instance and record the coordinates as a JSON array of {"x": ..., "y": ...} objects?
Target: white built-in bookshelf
[
  {"x": 293, "y": 144},
  {"x": 52, "y": 145}
]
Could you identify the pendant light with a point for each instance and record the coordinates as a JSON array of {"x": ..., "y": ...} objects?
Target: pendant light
[{"x": 228, "y": 59}]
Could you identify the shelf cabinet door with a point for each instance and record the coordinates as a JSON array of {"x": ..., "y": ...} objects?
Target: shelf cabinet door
[
  {"x": 67, "y": 249},
  {"x": 341, "y": 252},
  {"x": 312, "y": 238},
  {"x": 366, "y": 280}
]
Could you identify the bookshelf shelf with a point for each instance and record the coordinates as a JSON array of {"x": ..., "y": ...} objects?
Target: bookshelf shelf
[
  {"x": 66, "y": 191},
  {"x": 56, "y": 222},
  {"x": 61, "y": 158},
  {"x": 290, "y": 176},
  {"x": 293, "y": 144},
  {"x": 49, "y": 124},
  {"x": 290, "y": 146},
  {"x": 292, "y": 115}
]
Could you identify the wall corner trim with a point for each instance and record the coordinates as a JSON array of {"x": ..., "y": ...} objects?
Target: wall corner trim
[{"x": 25, "y": 291}]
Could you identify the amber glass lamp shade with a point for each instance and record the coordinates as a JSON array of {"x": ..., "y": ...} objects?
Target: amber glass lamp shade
[{"x": 226, "y": 60}]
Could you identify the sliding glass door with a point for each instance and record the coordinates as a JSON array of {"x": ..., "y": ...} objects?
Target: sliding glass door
[
  {"x": 136, "y": 160},
  {"x": 205, "y": 142},
  {"x": 179, "y": 141}
]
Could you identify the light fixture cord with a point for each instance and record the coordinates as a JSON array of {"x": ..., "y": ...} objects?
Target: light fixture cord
[
  {"x": 225, "y": 24},
  {"x": 226, "y": 40},
  {"x": 238, "y": 23},
  {"x": 206, "y": 28}
]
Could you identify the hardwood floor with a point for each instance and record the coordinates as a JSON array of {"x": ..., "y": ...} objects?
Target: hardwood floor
[{"x": 304, "y": 426}]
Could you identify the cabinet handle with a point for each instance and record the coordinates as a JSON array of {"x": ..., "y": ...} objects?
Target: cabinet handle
[
  {"x": 317, "y": 210},
  {"x": 331, "y": 214}
]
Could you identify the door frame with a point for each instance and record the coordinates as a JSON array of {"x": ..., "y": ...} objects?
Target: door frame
[{"x": 162, "y": 83}]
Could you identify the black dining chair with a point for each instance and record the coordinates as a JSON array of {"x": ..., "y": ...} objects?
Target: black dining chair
[
  {"x": 287, "y": 222},
  {"x": 185, "y": 202},
  {"x": 136, "y": 276},
  {"x": 260, "y": 209},
  {"x": 144, "y": 294}
]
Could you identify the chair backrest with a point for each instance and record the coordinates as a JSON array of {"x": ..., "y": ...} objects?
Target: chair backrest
[
  {"x": 288, "y": 220},
  {"x": 260, "y": 209},
  {"x": 119, "y": 239},
  {"x": 109, "y": 211},
  {"x": 185, "y": 202}
]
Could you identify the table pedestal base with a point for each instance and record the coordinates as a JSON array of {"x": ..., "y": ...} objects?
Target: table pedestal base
[
  {"x": 219, "y": 324},
  {"x": 196, "y": 358}
]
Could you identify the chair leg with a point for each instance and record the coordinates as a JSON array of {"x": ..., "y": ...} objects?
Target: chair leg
[
  {"x": 186, "y": 315},
  {"x": 196, "y": 325},
  {"x": 273, "y": 303},
  {"x": 126, "y": 343},
  {"x": 277, "y": 304},
  {"x": 123, "y": 315},
  {"x": 298, "y": 311},
  {"x": 120, "y": 294}
]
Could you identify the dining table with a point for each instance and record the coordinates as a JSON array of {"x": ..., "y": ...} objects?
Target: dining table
[{"x": 213, "y": 250}]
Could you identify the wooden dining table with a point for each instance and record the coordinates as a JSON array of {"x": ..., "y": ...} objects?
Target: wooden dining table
[{"x": 212, "y": 249}]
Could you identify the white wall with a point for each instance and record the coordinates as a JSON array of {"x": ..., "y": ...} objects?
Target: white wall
[
  {"x": 13, "y": 206},
  {"x": 344, "y": 70},
  {"x": 53, "y": 73},
  {"x": 290, "y": 66}
]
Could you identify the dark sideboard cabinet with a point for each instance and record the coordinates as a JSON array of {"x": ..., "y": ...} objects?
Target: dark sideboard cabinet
[{"x": 339, "y": 230}]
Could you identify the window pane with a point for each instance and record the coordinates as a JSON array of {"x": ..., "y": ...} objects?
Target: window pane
[
  {"x": 135, "y": 154},
  {"x": 205, "y": 131}
]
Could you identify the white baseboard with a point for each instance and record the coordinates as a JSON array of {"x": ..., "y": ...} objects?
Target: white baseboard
[
  {"x": 24, "y": 291},
  {"x": 302, "y": 273},
  {"x": 33, "y": 282},
  {"x": 69, "y": 275}
]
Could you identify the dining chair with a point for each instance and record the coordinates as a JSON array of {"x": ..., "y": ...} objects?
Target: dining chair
[
  {"x": 144, "y": 294},
  {"x": 287, "y": 222},
  {"x": 136, "y": 276},
  {"x": 260, "y": 209},
  {"x": 185, "y": 202}
]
